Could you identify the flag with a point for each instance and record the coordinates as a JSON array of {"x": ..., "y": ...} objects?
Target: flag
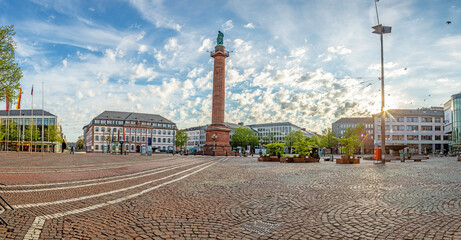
[
  {"x": 32, "y": 91},
  {"x": 7, "y": 100},
  {"x": 18, "y": 104}
]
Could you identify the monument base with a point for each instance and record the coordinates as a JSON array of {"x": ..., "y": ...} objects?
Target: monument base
[{"x": 220, "y": 146}]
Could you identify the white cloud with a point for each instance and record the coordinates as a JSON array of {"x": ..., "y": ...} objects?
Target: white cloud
[
  {"x": 156, "y": 13},
  {"x": 341, "y": 50},
  {"x": 206, "y": 45},
  {"x": 64, "y": 62},
  {"x": 228, "y": 25},
  {"x": 249, "y": 25},
  {"x": 142, "y": 49},
  {"x": 270, "y": 49}
]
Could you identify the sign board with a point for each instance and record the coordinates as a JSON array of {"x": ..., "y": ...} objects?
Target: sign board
[{"x": 149, "y": 146}]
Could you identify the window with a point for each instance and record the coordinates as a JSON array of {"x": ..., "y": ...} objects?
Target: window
[
  {"x": 169, "y": 132},
  {"x": 154, "y": 131},
  {"x": 96, "y": 147},
  {"x": 138, "y": 131},
  {"x": 447, "y": 137},
  {"x": 426, "y": 128},
  {"x": 379, "y": 137},
  {"x": 164, "y": 132},
  {"x": 426, "y": 137},
  {"x": 437, "y": 128},
  {"x": 103, "y": 129},
  {"x": 96, "y": 138},
  {"x": 398, "y": 128},
  {"x": 132, "y": 138},
  {"x": 137, "y": 139},
  {"x": 103, "y": 121},
  {"x": 144, "y": 131},
  {"x": 426, "y": 119},
  {"x": 132, "y": 147},
  {"x": 126, "y": 138},
  {"x": 397, "y": 137},
  {"x": 127, "y": 130},
  {"x": 438, "y": 120},
  {"x": 143, "y": 139},
  {"x": 438, "y": 137},
  {"x": 96, "y": 129},
  {"x": 114, "y": 129},
  {"x": 159, "y": 140},
  {"x": 412, "y": 128},
  {"x": 126, "y": 147},
  {"x": 169, "y": 140},
  {"x": 132, "y": 131},
  {"x": 412, "y": 119},
  {"x": 164, "y": 140},
  {"x": 148, "y": 131},
  {"x": 400, "y": 119},
  {"x": 154, "y": 139},
  {"x": 97, "y": 121},
  {"x": 412, "y": 137}
]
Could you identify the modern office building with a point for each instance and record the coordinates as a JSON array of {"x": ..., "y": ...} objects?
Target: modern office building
[
  {"x": 421, "y": 130},
  {"x": 452, "y": 112},
  {"x": 113, "y": 131},
  {"x": 273, "y": 132},
  {"x": 342, "y": 124},
  {"x": 21, "y": 121}
]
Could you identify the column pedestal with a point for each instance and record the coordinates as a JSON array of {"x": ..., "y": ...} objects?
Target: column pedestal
[{"x": 220, "y": 146}]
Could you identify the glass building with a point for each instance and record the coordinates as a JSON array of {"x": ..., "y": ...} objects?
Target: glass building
[
  {"x": 456, "y": 124},
  {"x": 16, "y": 134}
]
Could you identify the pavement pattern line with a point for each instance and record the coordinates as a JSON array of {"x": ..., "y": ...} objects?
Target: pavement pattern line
[
  {"x": 90, "y": 165},
  {"x": 36, "y": 228},
  {"x": 68, "y": 171},
  {"x": 155, "y": 171},
  {"x": 83, "y": 181},
  {"x": 109, "y": 192}
]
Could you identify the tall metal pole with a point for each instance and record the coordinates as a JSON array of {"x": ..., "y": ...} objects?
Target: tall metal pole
[
  {"x": 383, "y": 117},
  {"x": 43, "y": 115}
]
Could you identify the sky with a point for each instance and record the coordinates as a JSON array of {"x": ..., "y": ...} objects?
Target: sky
[{"x": 307, "y": 62}]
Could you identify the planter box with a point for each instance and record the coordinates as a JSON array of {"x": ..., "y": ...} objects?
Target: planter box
[
  {"x": 299, "y": 160},
  {"x": 274, "y": 159},
  {"x": 284, "y": 160},
  {"x": 347, "y": 160},
  {"x": 311, "y": 159},
  {"x": 265, "y": 159}
]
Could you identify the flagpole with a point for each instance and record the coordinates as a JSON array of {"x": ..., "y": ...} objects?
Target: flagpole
[
  {"x": 43, "y": 113},
  {"x": 7, "y": 119},
  {"x": 31, "y": 119}
]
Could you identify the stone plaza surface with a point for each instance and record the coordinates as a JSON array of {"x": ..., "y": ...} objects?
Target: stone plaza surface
[{"x": 90, "y": 196}]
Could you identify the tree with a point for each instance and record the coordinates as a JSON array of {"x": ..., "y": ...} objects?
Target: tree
[
  {"x": 243, "y": 137},
  {"x": 275, "y": 149},
  {"x": 293, "y": 137},
  {"x": 348, "y": 145},
  {"x": 328, "y": 139},
  {"x": 304, "y": 147},
  {"x": 10, "y": 72},
  {"x": 79, "y": 142},
  {"x": 53, "y": 134},
  {"x": 181, "y": 138}
]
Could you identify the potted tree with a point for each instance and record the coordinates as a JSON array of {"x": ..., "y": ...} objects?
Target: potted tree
[
  {"x": 303, "y": 148},
  {"x": 348, "y": 148},
  {"x": 275, "y": 151}
]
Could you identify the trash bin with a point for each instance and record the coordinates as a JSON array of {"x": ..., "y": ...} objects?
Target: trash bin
[
  {"x": 377, "y": 152},
  {"x": 331, "y": 157},
  {"x": 402, "y": 157}
]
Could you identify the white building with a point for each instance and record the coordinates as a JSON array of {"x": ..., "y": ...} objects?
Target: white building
[
  {"x": 422, "y": 130},
  {"x": 273, "y": 132},
  {"x": 111, "y": 130}
]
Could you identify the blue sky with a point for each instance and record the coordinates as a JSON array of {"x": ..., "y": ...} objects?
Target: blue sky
[{"x": 307, "y": 62}]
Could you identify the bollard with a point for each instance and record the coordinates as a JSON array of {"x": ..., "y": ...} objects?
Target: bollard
[{"x": 402, "y": 157}]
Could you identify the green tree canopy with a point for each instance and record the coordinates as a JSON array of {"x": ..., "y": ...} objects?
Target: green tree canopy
[
  {"x": 275, "y": 149},
  {"x": 181, "y": 138},
  {"x": 328, "y": 139},
  {"x": 304, "y": 147},
  {"x": 79, "y": 142},
  {"x": 10, "y": 72},
  {"x": 243, "y": 137},
  {"x": 293, "y": 137}
]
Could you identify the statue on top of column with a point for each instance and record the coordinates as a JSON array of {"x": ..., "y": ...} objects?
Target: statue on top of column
[{"x": 220, "y": 39}]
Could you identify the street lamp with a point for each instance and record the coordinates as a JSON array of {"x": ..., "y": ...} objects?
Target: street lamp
[
  {"x": 214, "y": 137},
  {"x": 380, "y": 29}
]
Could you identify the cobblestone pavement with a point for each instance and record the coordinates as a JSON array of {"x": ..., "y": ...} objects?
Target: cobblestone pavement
[{"x": 86, "y": 196}]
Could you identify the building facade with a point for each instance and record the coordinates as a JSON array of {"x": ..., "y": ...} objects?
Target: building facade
[
  {"x": 452, "y": 112},
  {"x": 273, "y": 132},
  {"x": 341, "y": 125},
  {"x": 421, "y": 130},
  {"x": 113, "y": 131},
  {"x": 21, "y": 121}
]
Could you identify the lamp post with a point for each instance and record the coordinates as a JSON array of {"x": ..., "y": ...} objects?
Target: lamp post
[{"x": 380, "y": 29}]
